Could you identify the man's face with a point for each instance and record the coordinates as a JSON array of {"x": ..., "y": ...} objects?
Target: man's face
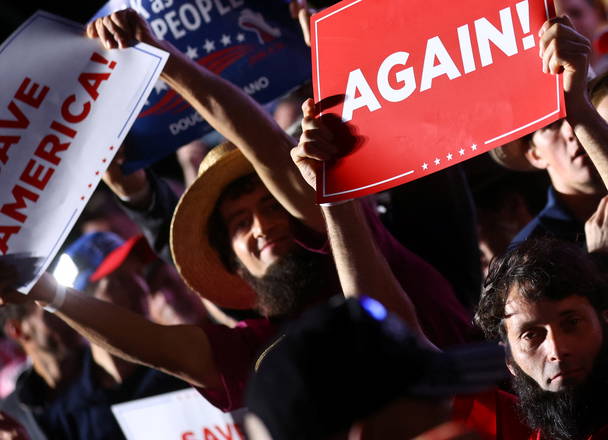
[
  {"x": 46, "y": 333},
  {"x": 584, "y": 16},
  {"x": 556, "y": 149},
  {"x": 259, "y": 229},
  {"x": 553, "y": 342}
]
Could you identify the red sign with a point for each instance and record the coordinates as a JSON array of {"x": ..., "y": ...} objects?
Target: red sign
[{"x": 425, "y": 84}]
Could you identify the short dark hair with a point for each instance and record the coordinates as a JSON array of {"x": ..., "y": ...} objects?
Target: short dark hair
[
  {"x": 216, "y": 228},
  {"x": 540, "y": 268}
]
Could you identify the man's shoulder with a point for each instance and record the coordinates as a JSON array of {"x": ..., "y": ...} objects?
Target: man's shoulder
[{"x": 554, "y": 221}]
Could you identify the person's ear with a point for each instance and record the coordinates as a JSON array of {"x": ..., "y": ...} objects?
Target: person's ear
[
  {"x": 534, "y": 156},
  {"x": 14, "y": 330}
]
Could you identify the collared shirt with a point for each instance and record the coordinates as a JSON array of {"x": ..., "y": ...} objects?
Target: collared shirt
[{"x": 554, "y": 220}]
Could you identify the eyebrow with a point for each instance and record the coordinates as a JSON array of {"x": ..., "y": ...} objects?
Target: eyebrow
[
  {"x": 528, "y": 324},
  {"x": 231, "y": 216}
]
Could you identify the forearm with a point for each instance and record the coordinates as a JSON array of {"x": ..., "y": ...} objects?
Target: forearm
[
  {"x": 244, "y": 123},
  {"x": 182, "y": 351},
  {"x": 592, "y": 132},
  {"x": 362, "y": 268}
]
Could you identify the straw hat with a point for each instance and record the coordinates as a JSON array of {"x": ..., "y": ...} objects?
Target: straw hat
[{"x": 197, "y": 262}]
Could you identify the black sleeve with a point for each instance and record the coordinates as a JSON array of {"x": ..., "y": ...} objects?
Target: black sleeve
[{"x": 155, "y": 221}]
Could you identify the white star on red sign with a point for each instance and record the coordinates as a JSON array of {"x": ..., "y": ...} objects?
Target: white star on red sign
[
  {"x": 425, "y": 166},
  {"x": 474, "y": 147},
  {"x": 449, "y": 156},
  {"x": 437, "y": 161},
  {"x": 461, "y": 151}
]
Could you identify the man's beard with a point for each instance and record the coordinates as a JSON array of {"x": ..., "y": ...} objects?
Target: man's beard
[
  {"x": 296, "y": 280},
  {"x": 570, "y": 414}
]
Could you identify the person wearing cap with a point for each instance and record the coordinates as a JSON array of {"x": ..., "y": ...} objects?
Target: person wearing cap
[
  {"x": 544, "y": 300},
  {"x": 69, "y": 391}
]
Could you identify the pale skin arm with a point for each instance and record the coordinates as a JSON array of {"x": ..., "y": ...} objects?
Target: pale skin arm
[
  {"x": 563, "y": 50},
  {"x": 228, "y": 109},
  {"x": 596, "y": 228},
  {"x": 182, "y": 351},
  {"x": 361, "y": 266}
]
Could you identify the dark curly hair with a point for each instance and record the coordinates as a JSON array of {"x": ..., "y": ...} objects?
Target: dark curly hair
[{"x": 540, "y": 268}]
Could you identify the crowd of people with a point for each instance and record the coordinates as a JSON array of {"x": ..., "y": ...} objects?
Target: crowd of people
[{"x": 361, "y": 319}]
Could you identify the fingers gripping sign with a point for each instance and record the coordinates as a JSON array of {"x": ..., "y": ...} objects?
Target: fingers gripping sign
[
  {"x": 121, "y": 29},
  {"x": 564, "y": 50},
  {"x": 315, "y": 145}
]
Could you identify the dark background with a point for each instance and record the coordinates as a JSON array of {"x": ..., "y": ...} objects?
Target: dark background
[{"x": 15, "y": 12}]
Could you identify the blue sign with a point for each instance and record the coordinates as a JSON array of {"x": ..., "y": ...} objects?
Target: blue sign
[{"x": 255, "y": 44}]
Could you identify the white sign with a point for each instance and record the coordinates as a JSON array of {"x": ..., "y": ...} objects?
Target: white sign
[
  {"x": 180, "y": 415},
  {"x": 66, "y": 104}
]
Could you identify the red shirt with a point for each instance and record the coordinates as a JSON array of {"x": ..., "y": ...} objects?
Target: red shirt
[{"x": 492, "y": 414}]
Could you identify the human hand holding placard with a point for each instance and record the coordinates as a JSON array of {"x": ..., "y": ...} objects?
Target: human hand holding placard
[
  {"x": 430, "y": 89},
  {"x": 64, "y": 111}
]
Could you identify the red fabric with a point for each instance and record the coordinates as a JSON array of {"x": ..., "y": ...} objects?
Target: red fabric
[
  {"x": 235, "y": 351},
  {"x": 492, "y": 414}
]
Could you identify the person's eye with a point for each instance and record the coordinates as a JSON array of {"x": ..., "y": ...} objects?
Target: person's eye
[
  {"x": 572, "y": 323},
  {"x": 529, "y": 335},
  {"x": 531, "y": 338},
  {"x": 239, "y": 224}
]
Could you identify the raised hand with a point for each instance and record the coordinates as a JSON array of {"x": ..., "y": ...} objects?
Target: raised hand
[{"x": 121, "y": 29}]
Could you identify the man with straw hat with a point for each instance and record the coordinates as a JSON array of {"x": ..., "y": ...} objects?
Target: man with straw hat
[
  {"x": 263, "y": 148},
  {"x": 576, "y": 187},
  {"x": 231, "y": 226}
]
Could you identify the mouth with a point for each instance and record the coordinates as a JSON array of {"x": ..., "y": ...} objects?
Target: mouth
[
  {"x": 567, "y": 374},
  {"x": 269, "y": 244}
]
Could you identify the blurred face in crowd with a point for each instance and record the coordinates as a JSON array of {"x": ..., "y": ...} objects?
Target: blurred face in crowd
[
  {"x": 556, "y": 149},
  {"x": 258, "y": 227},
  {"x": 554, "y": 342},
  {"x": 583, "y": 14},
  {"x": 41, "y": 332},
  {"x": 125, "y": 287}
]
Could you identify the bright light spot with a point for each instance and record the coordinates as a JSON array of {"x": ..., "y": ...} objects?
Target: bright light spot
[
  {"x": 373, "y": 307},
  {"x": 66, "y": 271}
]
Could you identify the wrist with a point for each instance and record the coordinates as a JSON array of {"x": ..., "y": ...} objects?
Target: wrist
[{"x": 57, "y": 301}]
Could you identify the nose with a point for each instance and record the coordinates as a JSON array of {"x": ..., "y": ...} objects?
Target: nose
[
  {"x": 558, "y": 345},
  {"x": 260, "y": 225},
  {"x": 567, "y": 131}
]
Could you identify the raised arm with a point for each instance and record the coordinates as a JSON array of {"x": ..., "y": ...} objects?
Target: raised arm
[
  {"x": 183, "y": 351},
  {"x": 361, "y": 266},
  {"x": 228, "y": 109},
  {"x": 564, "y": 50}
]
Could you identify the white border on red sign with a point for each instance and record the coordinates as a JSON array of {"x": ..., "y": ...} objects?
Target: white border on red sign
[{"x": 325, "y": 194}]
